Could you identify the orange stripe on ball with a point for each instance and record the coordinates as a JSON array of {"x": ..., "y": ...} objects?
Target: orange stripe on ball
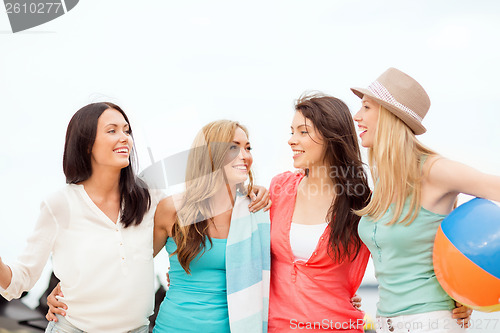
[{"x": 462, "y": 279}]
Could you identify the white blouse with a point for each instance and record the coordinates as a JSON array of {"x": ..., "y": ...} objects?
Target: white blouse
[
  {"x": 106, "y": 270},
  {"x": 304, "y": 239}
]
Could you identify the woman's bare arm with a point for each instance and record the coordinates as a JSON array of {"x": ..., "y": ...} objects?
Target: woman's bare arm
[{"x": 164, "y": 219}]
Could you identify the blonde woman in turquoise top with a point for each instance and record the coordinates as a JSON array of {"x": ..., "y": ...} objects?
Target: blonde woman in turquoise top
[
  {"x": 219, "y": 250},
  {"x": 415, "y": 189}
]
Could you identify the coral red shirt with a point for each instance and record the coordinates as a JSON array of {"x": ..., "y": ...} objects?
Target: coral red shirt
[{"x": 313, "y": 296}]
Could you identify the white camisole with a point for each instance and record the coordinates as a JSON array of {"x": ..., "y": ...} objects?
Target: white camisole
[{"x": 304, "y": 239}]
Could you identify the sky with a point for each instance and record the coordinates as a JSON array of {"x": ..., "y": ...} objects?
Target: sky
[{"x": 174, "y": 66}]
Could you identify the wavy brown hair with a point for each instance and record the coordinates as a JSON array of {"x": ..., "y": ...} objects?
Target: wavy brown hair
[
  {"x": 333, "y": 121},
  {"x": 204, "y": 178}
]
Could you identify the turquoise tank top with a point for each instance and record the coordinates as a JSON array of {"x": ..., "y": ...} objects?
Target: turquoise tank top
[
  {"x": 402, "y": 256},
  {"x": 196, "y": 302}
]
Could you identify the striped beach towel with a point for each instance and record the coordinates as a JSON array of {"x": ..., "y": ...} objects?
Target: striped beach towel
[{"x": 248, "y": 268}]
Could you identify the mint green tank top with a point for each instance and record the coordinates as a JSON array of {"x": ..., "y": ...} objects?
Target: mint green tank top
[{"x": 402, "y": 256}]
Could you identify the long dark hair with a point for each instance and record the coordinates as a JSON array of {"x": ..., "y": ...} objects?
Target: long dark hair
[
  {"x": 80, "y": 137},
  {"x": 332, "y": 119}
]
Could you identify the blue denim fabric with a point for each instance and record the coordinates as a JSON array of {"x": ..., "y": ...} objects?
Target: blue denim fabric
[{"x": 64, "y": 326}]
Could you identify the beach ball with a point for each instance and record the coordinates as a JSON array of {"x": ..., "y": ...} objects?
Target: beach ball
[{"x": 467, "y": 255}]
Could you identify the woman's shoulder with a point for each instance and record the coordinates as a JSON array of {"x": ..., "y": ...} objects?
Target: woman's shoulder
[
  {"x": 58, "y": 204},
  {"x": 436, "y": 166},
  {"x": 166, "y": 211},
  {"x": 156, "y": 196},
  {"x": 283, "y": 186},
  {"x": 63, "y": 195},
  {"x": 286, "y": 177},
  {"x": 167, "y": 204}
]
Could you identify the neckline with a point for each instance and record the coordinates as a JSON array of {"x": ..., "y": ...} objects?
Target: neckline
[
  {"x": 324, "y": 224},
  {"x": 321, "y": 239},
  {"x": 431, "y": 212},
  {"x": 239, "y": 196},
  {"x": 220, "y": 240},
  {"x": 422, "y": 208},
  {"x": 93, "y": 206}
]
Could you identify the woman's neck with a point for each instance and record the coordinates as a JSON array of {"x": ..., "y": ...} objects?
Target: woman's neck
[
  {"x": 223, "y": 200},
  {"x": 319, "y": 177},
  {"x": 103, "y": 183}
]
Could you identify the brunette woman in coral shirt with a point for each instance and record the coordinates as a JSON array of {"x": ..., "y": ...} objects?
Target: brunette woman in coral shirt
[{"x": 317, "y": 258}]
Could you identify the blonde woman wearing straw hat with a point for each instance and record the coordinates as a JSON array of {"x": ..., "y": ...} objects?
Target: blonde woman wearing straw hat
[{"x": 415, "y": 188}]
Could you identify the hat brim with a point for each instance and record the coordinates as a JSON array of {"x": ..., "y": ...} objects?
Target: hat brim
[{"x": 415, "y": 125}]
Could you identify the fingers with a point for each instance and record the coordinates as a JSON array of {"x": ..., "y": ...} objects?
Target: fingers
[
  {"x": 261, "y": 191},
  {"x": 51, "y": 317},
  {"x": 465, "y": 323},
  {"x": 56, "y": 306},
  {"x": 54, "y": 302},
  {"x": 462, "y": 314},
  {"x": 259, "y": 204},
  {"x": 255, "y": 198},
  {"x": 461, "y": 311},
  {"x": 261, "y": 201},
  {"x": 300, "y": 171},
  {"x": 58, "y": 289},
  {"x": 268, "y": 206},
  {"x": 356, "y": 301},
  {"x": 51, "y": 314}
]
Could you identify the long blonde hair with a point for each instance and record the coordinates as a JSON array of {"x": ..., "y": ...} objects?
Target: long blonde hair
[
  {"x": 204, "y": 178},
  {"x": 395, "y": 160}
]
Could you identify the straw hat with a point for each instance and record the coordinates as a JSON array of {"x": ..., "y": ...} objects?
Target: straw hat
[{"x": 400, "y": 94}]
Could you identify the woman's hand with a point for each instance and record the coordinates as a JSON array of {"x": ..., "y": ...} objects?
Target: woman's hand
[
  {"x": 300, "y": 171},
  {"x": 462, "y": 314},
  {"x": 356, "y": 301},
  {"x": 5, "y": 275},
  {"x": 260, "y": 199},
  {"x": 55, "y": 306}
]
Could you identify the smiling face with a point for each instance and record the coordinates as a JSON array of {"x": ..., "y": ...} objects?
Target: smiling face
[
  {"x": 306, "y": 143},
  {"x": 113, "y": 141},
  {"x": 239, "y": 151},
  {"x": 367, "y": 119}
]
